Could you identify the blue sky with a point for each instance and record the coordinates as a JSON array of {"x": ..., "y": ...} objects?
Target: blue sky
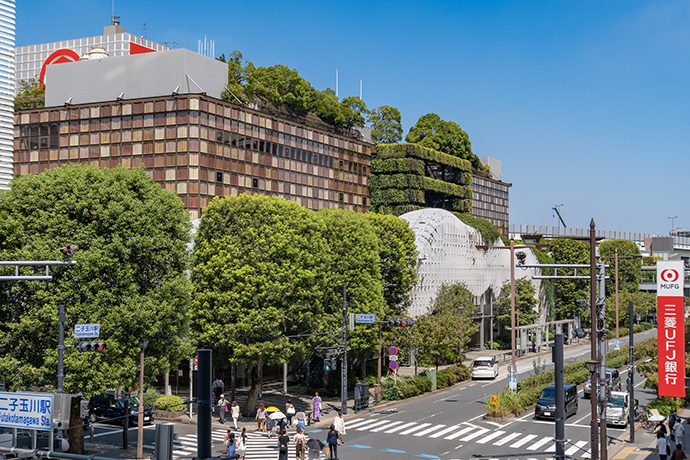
[{"x": 586, "y": 104}]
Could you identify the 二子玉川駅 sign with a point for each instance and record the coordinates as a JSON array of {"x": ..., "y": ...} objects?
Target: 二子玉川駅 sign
[{"x": 671, "y": 326}]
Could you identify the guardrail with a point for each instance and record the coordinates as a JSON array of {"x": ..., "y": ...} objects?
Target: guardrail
[{"x": 390, "y": 394}]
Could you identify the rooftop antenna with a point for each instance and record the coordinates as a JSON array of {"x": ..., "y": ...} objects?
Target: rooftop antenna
[
  {"x": 172, "y": 43},
  {"x": 145, "y": 29},
  {"x": 114, "y": 19},
  {"x": 360, "y": 89},
  {"x": 336, "y": 82}
]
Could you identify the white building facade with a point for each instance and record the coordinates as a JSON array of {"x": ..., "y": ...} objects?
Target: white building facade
[{"x": 7, "y": 88}]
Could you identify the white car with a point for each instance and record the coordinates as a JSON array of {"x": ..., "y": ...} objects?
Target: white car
[{"x": 486, "y": 367}]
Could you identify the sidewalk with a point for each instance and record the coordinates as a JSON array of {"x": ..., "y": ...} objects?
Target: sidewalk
[{"x": 645, "y": 443}]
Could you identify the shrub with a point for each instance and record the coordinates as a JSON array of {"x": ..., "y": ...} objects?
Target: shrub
[
  {"x": 645, "y": 326},
  {"x": 170, "y": 403},
  {"x": 422, "y": 382},
  {"x": 151, "y": 396},
  {"x": 665, "y": 404}
]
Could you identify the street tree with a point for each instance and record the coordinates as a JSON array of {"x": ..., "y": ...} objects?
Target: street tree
[
  {"x": 385, "y": 124},
  {"x": 643, "y": 305},
  {"x": 354, "y": 111},
  {"x": 629, "y": 270},
  {"x": 397, "y": 260},
  {"x": 130, "y": 277},
  {"x": 568, "y": 292},
  {"x": 445, "y": 136},
  {"x": 258, "y": 265},
  {"x": 445, "y": 331},
  {"x": 525, "y": 303}
]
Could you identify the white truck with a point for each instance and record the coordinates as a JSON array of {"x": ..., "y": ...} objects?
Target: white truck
[{"x": 618, "y": 408}]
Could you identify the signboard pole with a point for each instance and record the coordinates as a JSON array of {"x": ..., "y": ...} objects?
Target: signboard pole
[
  {"x": 343, "y": 369},
  {"x": 671, "y": 311},
  {"x": 61, "y": 349}
]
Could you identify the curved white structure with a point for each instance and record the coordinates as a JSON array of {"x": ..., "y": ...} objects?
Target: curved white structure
[
  {"x": 448, "y": 254},
  {"x": 7, "y": 14}
]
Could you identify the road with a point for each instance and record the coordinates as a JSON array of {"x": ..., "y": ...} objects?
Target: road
[{"x": 444, "y": 425}]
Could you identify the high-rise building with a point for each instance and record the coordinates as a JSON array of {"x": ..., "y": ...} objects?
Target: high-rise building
[{"x": 7, "y": 16}]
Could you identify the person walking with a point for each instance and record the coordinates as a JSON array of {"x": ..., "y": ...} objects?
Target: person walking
[
  {"x": 300, "y": 441},
  {"x": 301, "y": 418},
  {"x": 218, "y": 388},
  {"x": 234, "y": 413},
  {"x": 671, "y": 436},
  {"x": 289, "y": 411},
  {"x": 261, "y": 418},
  {"x": 679, "y": 432},
  {"x": 283, "y": 441},
  {"x": 316, "y": 406},
  {"x": 222, "y": 408},
  {"x": 332, "y": 441},
  {"x": 678, "y": 454},
  {"x": 662, "y": 448},
  {"x": 232, "y": 444},
  {"x": 270, "y": 423},
  {"x": 282, "y": 425},
  {"x": 339, "y": 424},
  {"x": 242, "y": 444}
]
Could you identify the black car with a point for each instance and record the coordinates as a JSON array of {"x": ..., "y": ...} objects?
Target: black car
[
  {"x": 546, "y": 404},
  {"x": 105, "y": 406}
]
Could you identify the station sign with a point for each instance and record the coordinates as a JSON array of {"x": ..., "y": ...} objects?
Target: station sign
[
  {"x": 30, "y": 411},
  {"x": 84, "y": 331},
  {"x": 365, "y": 318}
]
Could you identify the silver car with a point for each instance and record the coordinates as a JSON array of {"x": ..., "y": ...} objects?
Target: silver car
[{"x": 486, "y": 367}]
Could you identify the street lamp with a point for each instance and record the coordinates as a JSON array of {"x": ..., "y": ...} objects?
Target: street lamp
[
  {"x": 140, "y": 438},
  {"x": 592, "y": 365}
]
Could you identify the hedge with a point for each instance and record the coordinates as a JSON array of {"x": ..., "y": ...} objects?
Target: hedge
[
  {"x": 413, "y": 181},
  {"x": 397, "y": 196},
  {"x": 397, "y": 165},
  {"x": 528, "y": 390},
  {"x": 423, "y": 153},
  {"x": 409, "y": 386},
  {"x": 169, "y": 403}
]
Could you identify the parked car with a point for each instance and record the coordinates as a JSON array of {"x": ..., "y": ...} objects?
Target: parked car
[
  {"x": 486, "y": 367},
  {"x": 618, "y": 409},
  {"x": 546, "y": 404},
  {"x": 613, "y": 381},
  {"x": 105, "y": 406}
]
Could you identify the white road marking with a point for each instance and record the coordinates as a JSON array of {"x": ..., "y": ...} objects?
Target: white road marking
[
  {"x": 475, "y": 434},
  {"x": 488, "y": 438},
  {"x": 460, "y": 433},
  {"x": 576, "y": 447},
  {"x": 366, "y": 426},
  {"x": 429, "y": 430},
  {"x": 507, "y": 439},
  {"x": 397, "y": 428},
  {"x": 415, "y": 428},
  {"x": 540, "y": 443},
  {"x": 385, "y": 427},
  {"x": 523, "y": 441},
  {"x": 447, "y": 430},
  {"x": 359, "y": 422}
]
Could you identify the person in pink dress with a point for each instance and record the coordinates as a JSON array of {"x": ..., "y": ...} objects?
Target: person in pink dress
[{"x": 316, "y": 406}]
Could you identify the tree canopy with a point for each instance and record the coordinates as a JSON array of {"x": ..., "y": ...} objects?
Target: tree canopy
[
  {"x": 445, "y": 136},
  {"x": 385, "y": 124},
  {"x": 29, "y": 94},
  {"x": 130, "y": 276},
  {"x": 568, "y": 292},
  {"x": 629, "y": 269},
  {"x": 525, "y": 303}
]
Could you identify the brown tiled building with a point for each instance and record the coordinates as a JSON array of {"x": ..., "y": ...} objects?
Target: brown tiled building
[{"x": 199, "y": 147}]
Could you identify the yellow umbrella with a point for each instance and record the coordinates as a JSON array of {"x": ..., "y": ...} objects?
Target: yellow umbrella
[{"x": 272, "y": 409}]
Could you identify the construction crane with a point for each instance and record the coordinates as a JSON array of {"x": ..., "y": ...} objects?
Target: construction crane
[{"x": 556, "y": 208}]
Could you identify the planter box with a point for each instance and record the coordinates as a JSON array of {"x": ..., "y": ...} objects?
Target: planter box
[{"x": 168, "y": 414}]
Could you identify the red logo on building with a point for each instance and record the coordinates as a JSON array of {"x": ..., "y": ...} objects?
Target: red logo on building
[{"x": 57, "y": 57}]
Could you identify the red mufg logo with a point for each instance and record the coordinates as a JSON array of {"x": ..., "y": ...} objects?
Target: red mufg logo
[
  {"x": 57, "y": 57},
  {"x": 669, "y": 275}
]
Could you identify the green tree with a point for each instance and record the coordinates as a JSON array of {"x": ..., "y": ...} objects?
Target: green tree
[
  {"x": 352, "y": 253},
  {"x": 130, "y": 276},
  {"x": 629, "y": 270},
  {"x": 445, "y": 331},
  {"x": 354, "y": 111},
  {"x": 643, "y": 303},
  {"x": 525, "y": 303},
  {"x": 257, "y": 268},
  {"x": 30, "y": 94},
  {"x": 386, "y": 125},
  {"x": 568, "y": 292},
  {"x": 445, "y": 136},
  {"x": 397, "y": 260}
]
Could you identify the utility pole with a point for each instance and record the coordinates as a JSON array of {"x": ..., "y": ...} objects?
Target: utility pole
[
  {"x": 593, "y": 306},
  {"x": 61, "y": 347},
  {"x": 603, "y": 344},
  {"x": 560, "y": 396},
  {"x": 343, "y": 367},
  {"x": 631, "y": 376}
]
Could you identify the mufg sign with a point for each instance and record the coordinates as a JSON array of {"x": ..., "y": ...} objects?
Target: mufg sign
[{"x": 31, "y": 411}]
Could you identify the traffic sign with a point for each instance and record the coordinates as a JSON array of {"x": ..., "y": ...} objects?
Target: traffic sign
[
  {"x": 31, "y": 411},
  {"x": 393, "y": 365},
  {"x": 196, "y": 360},
  {"x": 393, "y": 351},
  {"x": 84, "y": 331},
  {"x": 365, "y": 318},
  {"x": 393, "y": 357}
]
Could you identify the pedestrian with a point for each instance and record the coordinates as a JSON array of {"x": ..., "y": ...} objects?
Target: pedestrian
[
  {"x": 661, "y": 428},
  {"x": 316, "y": 406},
  {"x": 270, "y": 423},
  {"x": 289, "y": 411},
  {"x": 300, "y": 441},
  {"x": 301, "y": 418},
  {"x": 218, "y": 388},
  {"x": 232, "y": 444},
  {"x": 222, "y": 408},
  {"x": 283, "y": 441},
  {"x": 282, "y": 425},
  {"x": 234, "y": 413},
  {"x": 332, "y": 441},
  {"x": 671, "y": 425},
  {"x": 261, "y": 417},
  {"x": 339, "y": 424},
  {"x": 678, "y": 454},
  {"x": 662, "y": 448},
  {"x": 242, "y": 444},
  {"x": 679, "y": 432}
]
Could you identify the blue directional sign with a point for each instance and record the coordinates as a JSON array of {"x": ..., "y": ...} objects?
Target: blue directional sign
[
  {"x": 365, "y": 318},
  {"x": 31, "y": 411},
  {"x": 83, "y": 331}
]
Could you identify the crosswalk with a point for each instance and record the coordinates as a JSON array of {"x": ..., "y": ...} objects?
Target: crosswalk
[
  {"x": 465, "y": 432},
  {"x": 259, "y": 445}
]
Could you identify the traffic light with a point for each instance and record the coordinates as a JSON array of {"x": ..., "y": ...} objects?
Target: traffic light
[
  {"x": 400, "y": 322},
  {"x": 334, "y": 363},
  {"x": 327, "y": 366},
  {"x": 494, "y": 401},
  {"x": 84, "y": 347}
]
